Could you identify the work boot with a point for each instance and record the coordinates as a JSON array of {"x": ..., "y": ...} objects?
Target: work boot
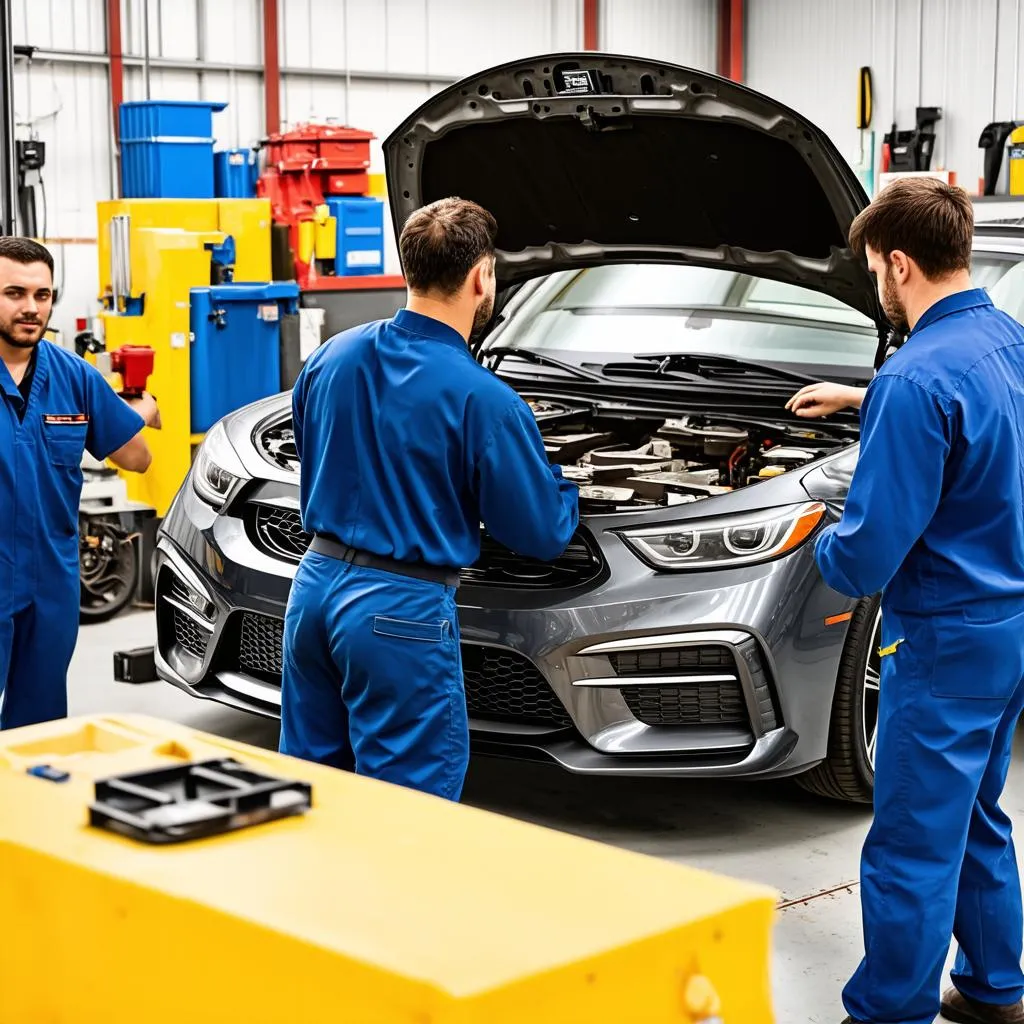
[{"x": 958, "y": 1009}]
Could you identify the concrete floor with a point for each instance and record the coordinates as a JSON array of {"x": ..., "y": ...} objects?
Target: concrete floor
[{"x": 807, "y": 849}]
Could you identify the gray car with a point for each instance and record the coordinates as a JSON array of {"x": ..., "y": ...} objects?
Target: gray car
[{"x": 672, "y": 268}]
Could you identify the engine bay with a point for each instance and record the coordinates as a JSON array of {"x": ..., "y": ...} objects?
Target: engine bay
[{"x": 629, "y": 463}]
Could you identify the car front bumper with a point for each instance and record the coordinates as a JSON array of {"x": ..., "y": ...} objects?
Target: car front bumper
[{"x": 729, "y": 673}]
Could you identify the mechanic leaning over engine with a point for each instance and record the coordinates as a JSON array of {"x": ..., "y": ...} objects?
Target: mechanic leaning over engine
[
  {"x": 934, "y": 521},
  {"x": 56, "y": 405},
  {"x": 406, "y": 444}
]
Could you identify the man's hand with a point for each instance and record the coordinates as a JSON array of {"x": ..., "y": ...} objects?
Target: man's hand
[
  {"x": 145, "y": 405},
  {"x": 817, "y": 400}
]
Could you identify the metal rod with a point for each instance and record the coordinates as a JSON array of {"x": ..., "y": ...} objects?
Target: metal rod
[
  {"x": 944, "y": 137},
  {"x": 8, "y": 170},
  {"x": 1015, "y": 113},
  {"x": 348, "y": 72},
  {"x": 895, "y": 48},
  {"x": 995, "y": 68},
  {"x": 92, "y": 57},
  {"x": 920, "y": 52},
  {"x": 145, "y": 47}
]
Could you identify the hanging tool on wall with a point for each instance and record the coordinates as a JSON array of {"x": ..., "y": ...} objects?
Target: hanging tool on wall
[
  {"x": 865, "y": 164},
  {"x": 912, "y": 150}
]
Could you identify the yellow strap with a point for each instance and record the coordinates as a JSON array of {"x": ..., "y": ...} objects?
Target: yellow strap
[{"x": 884, "y": 652}]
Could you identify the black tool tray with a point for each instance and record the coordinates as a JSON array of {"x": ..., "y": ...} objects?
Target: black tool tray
[{"x": 194, "y": 801}]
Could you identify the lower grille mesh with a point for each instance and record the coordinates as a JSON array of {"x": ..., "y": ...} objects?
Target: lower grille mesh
[
  {"x": 504, "y": 686},
  {"x": 501, "y": 685},
  {"x": 189, "y": 635},
  {"x": 688, "y": 704},
  {"x": 259, "y": 647}
]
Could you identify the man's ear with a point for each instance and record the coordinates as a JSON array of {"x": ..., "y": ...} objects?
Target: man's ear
[
  {"x": 900, "y": 263},
  {"x": 478, "y": 276}
]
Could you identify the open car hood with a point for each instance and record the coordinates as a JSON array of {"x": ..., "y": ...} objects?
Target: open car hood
[{"x": 586, "y": 159}]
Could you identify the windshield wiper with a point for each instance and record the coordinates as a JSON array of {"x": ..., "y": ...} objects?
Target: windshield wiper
[
  {"x": 529, "y": 355},
  {"x": 705, "y": 367}
]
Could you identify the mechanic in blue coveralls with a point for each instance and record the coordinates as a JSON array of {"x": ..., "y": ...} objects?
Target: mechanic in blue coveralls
[
  {"x": 55, "y": 406},
  {"x": 406, "y": 446},
  {"x": 935, "y": 521}
]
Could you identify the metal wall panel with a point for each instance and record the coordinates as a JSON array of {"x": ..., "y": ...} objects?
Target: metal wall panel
[
  {"x": 60, "y": 24},
  {"x": 681, "y": 31},
  {"x": 961, "y": 55}
]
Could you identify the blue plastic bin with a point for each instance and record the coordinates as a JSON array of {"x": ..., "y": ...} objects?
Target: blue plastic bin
[
  {"x": 167, "y": 149},
  {"x": 236, "y": 346},
  {"x": 234, "y": 174},
  {"x": 360, "y": 234}
]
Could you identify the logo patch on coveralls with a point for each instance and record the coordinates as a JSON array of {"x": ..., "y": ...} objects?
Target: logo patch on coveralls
[{"x": 70, "y": 420}]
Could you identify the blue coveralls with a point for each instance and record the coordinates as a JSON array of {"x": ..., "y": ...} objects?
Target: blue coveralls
[
  {"x": 406, "y": 445},
  {"x": 935, "y": 520},
  {"x": 70, "y": 408}
]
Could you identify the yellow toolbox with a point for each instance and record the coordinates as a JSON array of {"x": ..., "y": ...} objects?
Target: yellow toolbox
[{"x": 356, "y": 901}]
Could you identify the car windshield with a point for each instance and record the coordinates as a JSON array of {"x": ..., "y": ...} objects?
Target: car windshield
[{"x": 608, "y": 313}]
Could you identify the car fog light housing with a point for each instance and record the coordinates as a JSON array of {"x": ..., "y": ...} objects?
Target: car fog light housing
[{"x": 747, "y": 538}]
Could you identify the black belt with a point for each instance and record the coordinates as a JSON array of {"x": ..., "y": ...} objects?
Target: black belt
[{"x": 333, "y": 548}]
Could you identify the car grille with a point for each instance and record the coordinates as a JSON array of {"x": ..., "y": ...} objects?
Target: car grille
[
  {"x": 719, "y": 700},
  {"x": 638, "y": 663},
  {"x": 500, "y": 685},
  {"x": 504, "y": 686},
  {"x": 260, "y": 643},
  {"x": 688, "y": 704},
  {"x": 277, "y": 531},
  {"x": 189, "y": 634}
]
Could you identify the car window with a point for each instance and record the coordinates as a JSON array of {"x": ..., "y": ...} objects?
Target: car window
[
  {"x": 637, "y": 309},
  {"x": 1007, "y": 292}
]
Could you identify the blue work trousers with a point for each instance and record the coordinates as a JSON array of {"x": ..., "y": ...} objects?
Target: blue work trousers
[
  {"x": 939, "y": 860},
  {"x": 372, "y": 676},
  {"x": 36, "y": 645}
]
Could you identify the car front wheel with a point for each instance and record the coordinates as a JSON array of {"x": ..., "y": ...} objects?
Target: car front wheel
[{"x": 848, "y": 771}]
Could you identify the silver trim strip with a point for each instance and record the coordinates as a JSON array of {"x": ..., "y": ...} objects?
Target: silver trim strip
[
  {"x": 620, "y": 682},
  {"x": 190, "y": 612},
  {"x": 728, "y": 637},
  {"x": 250, "y": 688}
]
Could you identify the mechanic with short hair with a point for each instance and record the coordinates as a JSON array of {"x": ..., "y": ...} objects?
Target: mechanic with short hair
[
  {"x": 934, "y": 521},
  {"x": 55, "y": 406},
  {"x": 406, "y": 444}
]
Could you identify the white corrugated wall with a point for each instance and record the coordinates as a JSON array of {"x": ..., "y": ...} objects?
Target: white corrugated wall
[
  {"x": 679, "y": 31},
  {"x": 961, "y": 55}
]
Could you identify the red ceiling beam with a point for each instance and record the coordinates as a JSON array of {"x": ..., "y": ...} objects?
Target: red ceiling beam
[
  {"x": 271, "y": 67},
  {"x": 115, "y": 53},
  {"x": 730, "y": 39},
  {"x": 590, "y": 24}
]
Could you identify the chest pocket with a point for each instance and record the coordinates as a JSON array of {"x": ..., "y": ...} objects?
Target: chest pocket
[{"x": 65, "y": 439}]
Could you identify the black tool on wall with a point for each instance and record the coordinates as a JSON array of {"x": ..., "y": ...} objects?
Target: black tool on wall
[
  {"x": 912, "y": 150},
  {"x": 993, "y": 141}
]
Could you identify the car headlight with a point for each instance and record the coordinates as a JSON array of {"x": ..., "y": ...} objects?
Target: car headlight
[
  {"x": 217, "y": 472},
  {"x": 742, "y": 539}
]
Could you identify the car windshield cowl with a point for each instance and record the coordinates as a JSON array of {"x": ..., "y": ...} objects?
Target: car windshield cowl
[{"x": 706, "y": 367}]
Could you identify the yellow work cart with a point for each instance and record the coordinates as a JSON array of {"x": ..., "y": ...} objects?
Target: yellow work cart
[{"x": 150, "y": 873}]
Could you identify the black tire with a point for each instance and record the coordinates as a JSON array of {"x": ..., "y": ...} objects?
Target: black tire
[
  {"x": 848, "y": 773},
  {"x": 102, "y": 596}
]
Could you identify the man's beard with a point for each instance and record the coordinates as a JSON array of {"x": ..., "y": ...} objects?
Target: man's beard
[
  {"x": 481, "y": 318},
  {"x": 891, "y": 304},
  {"x": 7, "y": 333}
]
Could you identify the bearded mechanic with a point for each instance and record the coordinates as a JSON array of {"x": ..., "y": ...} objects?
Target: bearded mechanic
[
  {"x": 55, "y": 406},
  {"x": 933, "y": 521},
  {"x": 406, "y": 444}
]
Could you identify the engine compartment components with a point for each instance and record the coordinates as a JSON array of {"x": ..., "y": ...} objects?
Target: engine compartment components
[{"x": 623, "y": 462}]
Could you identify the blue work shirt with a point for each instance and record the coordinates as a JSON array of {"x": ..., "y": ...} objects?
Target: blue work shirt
[
  {"x": 407, "y": 444},
  {"x": 935, "y": 513},
  {"x": 70, "y": 408}
]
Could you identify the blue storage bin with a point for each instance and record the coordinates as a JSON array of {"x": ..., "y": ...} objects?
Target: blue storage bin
[
  {"x": 360, "y": 234},
  {"x": 236, "y": 346},
  {"x": 167, "y": 149},
  {"x": 234, "y": 174}
]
